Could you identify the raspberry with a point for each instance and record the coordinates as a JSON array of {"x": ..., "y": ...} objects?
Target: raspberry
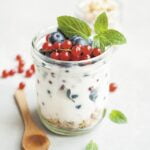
[
  {"x": 32, "y": 67},
  {"x": 96, "y": 52},
  {"x": 28, "y": 73},
  {"x": 11, "y": 72},
  {"x": 18, "y": 57},
  {"x": 20, "y": 70},
  {"x": 5, "y": 74}
]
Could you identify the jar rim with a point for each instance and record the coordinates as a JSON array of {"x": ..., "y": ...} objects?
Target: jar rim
[{"x": 36, "y": 52}]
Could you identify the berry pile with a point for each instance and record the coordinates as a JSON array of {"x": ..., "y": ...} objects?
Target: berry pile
[
  {"x": 20, "y": 69},
  {"x": 58, "y": 47}
]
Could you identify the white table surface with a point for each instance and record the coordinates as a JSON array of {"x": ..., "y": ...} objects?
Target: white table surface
[{"x": 130, "y": 69}]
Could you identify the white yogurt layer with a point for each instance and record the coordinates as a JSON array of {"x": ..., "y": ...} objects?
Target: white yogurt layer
[{"x": 72, "y": 94}]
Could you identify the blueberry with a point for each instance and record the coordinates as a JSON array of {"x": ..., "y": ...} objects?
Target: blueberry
[
  {"x": 77, "y": 40},
  {"x": 56, "y": 37},
  {"x": 90, "y": 42}
]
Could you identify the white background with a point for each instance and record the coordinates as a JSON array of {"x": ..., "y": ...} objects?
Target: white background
[{"x": 130, "y": 69}]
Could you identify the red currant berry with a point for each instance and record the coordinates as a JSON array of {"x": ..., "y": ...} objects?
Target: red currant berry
[
  {"x": 65, "y": 56},
  {"x": 47, "y": 46},
  {"x": 84, "y": 57},
  {"x": 54, "y": 55},
  {"x": 20, "y": 70},
  {"x": 57, "y": 45},
  {"x": 21, "y": 63},
  {"x": 5, "y": 74},
  {"x": 21, "y": 85},
  {"x": 66, "y": 44},
  {"x": 12, "y": 72},
  {"x": 86, "y": 50},
  {"x": 28, "y": 73},
  {"x": 18, "y": 57},
  {"x": 32, "y": 67},
  {"x": 76, "y": 51},
  {"x": 47, "y": 37},
  {"x": 75, "y": 58},
  {"x": 96, "y": 52},
  {"x": 112, "y": 87}
]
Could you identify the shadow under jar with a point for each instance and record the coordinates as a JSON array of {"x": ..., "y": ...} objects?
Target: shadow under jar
[{"x": 71, "y": 95}]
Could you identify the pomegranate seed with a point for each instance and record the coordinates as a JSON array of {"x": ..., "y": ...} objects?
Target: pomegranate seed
[
  {"x": 18, "y": 57},
  {"x": 54, "y": 55},
  {"x": 12, "y": 72},
  {"x": 112, "y": 87},
  {"x": 76, "y": 51},
  {"x": 20, "y": 70},
  {"x": 5, "y": 74},
  {"x": 28, "y": 73},
  {"x": 96, "y": 52},
  {"x": 47, "y": 46},
  {"x": 86, "y": 50},
  {"x": 32, "y": 67},
  {"x": 84, "y": 57},
  {"x": 66, "y": 44},
  {"x": 57, "y": 45},
  {"x": 21, "y": 85},
  {"x": 47, "y": 37},
  {"x": 64, "y": 56}
]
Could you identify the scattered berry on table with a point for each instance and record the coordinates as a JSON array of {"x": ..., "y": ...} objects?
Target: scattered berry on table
[
  {"x": 47, "y": 46},
  {"x": 112, "y": 87},
  {"x": 18, "y": 57},
  {"x": 20, "y": 70},
  {"x": 5, "y": 74},
  {"x": 32, "y": 68},
  {"x": 67, "y": 44},
  {"x": 21, "y": 85},
  {"x": 11, "y": 72},
  {"x": 65, "y": 56},
  {"x": 56, "y": 37},
  {"x": 28, "y": 73},
  {"x": 54, "y": 55},
  {"x": 21, "y": 63},
  {"x": 96, "y": 52}
]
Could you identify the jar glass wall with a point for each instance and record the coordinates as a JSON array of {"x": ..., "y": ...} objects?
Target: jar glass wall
[{"x": 72, "y": 95}]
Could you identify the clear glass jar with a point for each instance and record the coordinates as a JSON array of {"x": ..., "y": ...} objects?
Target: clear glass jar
[{"x": 71, "y": 95}]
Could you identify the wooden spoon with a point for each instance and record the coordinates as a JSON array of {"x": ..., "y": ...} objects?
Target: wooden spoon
[{"x": 33, "y": 138}]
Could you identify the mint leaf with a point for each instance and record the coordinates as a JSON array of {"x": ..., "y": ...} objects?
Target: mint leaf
[
  {"x": 98, "y": 43},
  {"x": 117, "y": 117},
  {"x": 101, "y": 23},
  {"x": 92, "y": 146},
  {"x": 114, "y": 37},
  {"x": 71, "y": 26}
]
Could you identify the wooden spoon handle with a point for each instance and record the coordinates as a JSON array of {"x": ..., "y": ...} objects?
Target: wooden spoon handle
[{"x": 23, "y": 107}]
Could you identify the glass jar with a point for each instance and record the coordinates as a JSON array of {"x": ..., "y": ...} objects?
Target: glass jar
[{"x": 71, "y": 95}]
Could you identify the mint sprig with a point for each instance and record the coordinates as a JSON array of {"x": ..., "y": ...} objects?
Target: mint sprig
[
  {"x": 117, "y": 117},
  {"x": 103, "y": 38},
  {"x": 107, "y": 37},
  {"x": 92, "y": 146},
  {"x": 101, "y": 23},
  {"x": 71, "y": 26}
]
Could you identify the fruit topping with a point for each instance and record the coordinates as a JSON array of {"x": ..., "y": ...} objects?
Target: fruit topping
[
  {"x": 21, "y": 85},
  {"x": 56, "y": 37}
]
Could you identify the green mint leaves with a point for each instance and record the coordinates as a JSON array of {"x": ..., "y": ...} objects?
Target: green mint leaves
[
  {"x": 71, "y": 26},
  {"x": 117, "y": 117},
  {"x": 107, "y": 37},
  {"x": 92, "y": 146},
  {"x": 103, "y": 37},
  {"x": 101, "y": 23}
]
